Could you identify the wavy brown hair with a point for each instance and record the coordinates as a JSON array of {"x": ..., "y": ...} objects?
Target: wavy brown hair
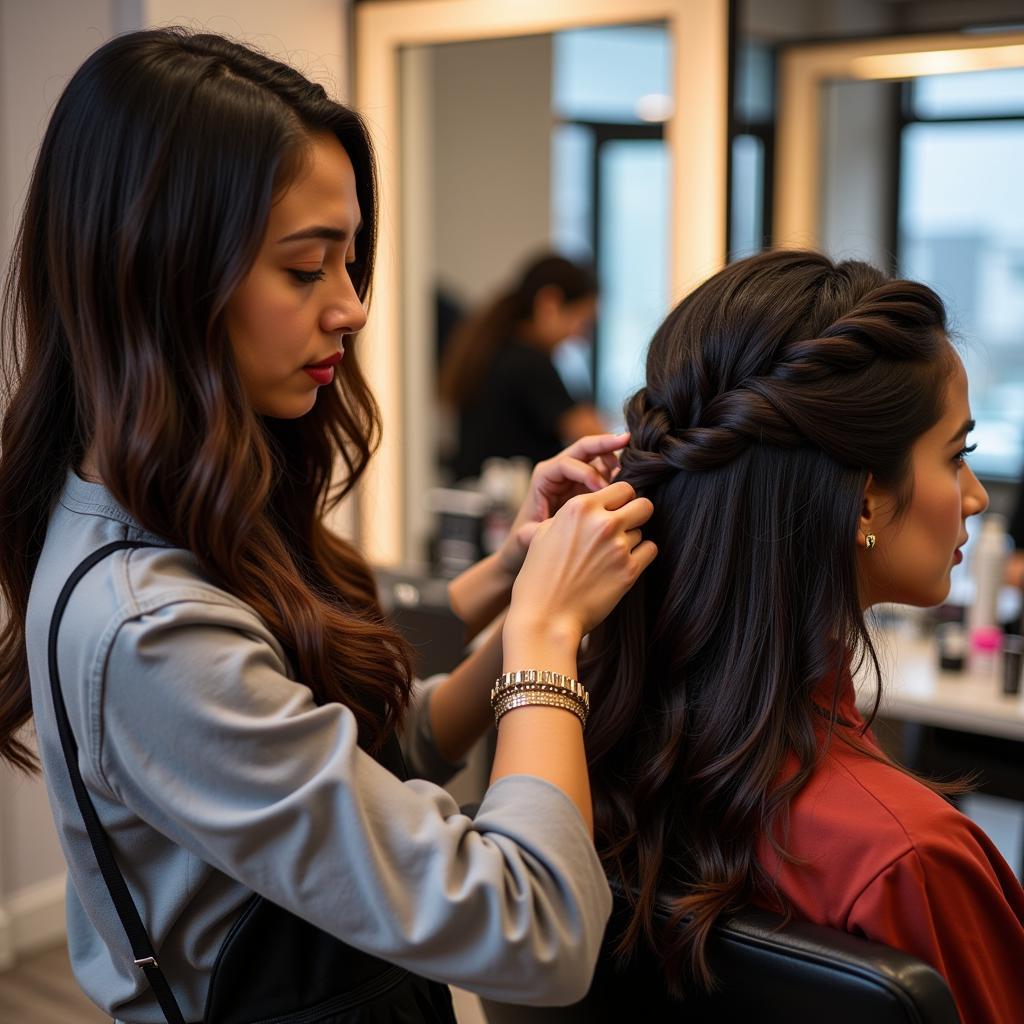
[
  {"x": 147, "y": 206},
  {"x": 772, "y": 391}
]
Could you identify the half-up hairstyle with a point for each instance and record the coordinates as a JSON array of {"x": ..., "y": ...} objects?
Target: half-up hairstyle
[
  {"x": 476, "y": 342},
  {"x": 772, "y": 391},
  {"x": 147, "y": 207}
]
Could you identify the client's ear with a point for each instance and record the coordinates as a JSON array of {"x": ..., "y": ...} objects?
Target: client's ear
[{"x": 871, "y": 514}]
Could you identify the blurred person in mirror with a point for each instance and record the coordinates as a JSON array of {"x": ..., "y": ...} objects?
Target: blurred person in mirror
[
  {"x": 802, "y": 435},
  {"x": 497, "y": 373}
]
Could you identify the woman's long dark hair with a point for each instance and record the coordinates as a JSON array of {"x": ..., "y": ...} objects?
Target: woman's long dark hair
[
  {"x": 475, "y": 342},
  {"x": 773, "y": 390},
  {"x": 147, "y": 206}
]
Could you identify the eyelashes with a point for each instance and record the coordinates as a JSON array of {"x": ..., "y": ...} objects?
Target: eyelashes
[
  {"x": 307, "y": 276},
  {"x": 354, "y": 268},
  {"x": 961, "y": 456}
]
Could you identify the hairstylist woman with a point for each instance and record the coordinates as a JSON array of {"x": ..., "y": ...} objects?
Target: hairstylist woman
[{"x": 196, "y": 249}]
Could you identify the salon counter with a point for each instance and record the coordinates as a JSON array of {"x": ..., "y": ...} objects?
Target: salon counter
[{"x": 914, "y": 689}]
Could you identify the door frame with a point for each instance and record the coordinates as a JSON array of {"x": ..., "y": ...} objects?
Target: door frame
[{"x": 805, "y": 68}]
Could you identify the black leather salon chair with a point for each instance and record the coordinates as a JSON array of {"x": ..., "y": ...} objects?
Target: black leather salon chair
[{"x": 768, "y": 971}]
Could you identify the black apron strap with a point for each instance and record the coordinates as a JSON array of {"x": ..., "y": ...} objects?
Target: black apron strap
[{"x": 142, "y": 948}]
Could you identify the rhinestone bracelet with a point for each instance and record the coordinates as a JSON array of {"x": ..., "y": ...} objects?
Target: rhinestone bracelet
[
  {"x": 548, "y": 689},
  {"x": 539, "y": 679},
  {"x": 536, "y": 698}
]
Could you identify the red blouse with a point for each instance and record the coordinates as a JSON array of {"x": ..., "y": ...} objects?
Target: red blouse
[{"x": 886, "y": 858}]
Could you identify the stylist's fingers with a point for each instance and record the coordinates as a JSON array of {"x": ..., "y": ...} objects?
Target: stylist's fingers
[
  {"x": 635, "y": 513},
  {"x": 566, "y": 468},
  {"x": 561, "y": 477},
  {"x": 607, "y": 466},
  {"x": 526, "y": 532},
  {"x": 643, "y": 554},
  {"x": 634, "y": 539},
  {"x": 583, "y": 559},
  {"x": 592, "y": 445},
  {"x": 615, "y": 496}
]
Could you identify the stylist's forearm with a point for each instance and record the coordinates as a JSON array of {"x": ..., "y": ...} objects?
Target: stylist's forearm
[
  {"x": 481, "y": 593},
  {"x": 547, "y": 743},
  {"x": 543, "y": 741},
  {"x": 460, "y": 707}
]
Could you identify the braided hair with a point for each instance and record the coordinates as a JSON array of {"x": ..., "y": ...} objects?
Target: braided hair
[{"x": 772, "y": 391}]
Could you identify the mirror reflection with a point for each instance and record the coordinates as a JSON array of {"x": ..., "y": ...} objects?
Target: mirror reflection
[{"x": 536, "y": 199}]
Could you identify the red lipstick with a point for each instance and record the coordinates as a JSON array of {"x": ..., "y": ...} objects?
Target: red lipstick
[
  {"x": 958, "y": 555},
  {"x": 323, "y": 372}
]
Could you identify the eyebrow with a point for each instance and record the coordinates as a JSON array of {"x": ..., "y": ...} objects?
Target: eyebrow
[
  {"x": 968, "y": 426},
  {"x": 320, "y": 231}
]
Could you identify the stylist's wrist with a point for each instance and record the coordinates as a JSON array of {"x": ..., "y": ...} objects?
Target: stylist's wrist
[
  {"x": 510, "y": 556},
  {"x": 541, "y": 642}
]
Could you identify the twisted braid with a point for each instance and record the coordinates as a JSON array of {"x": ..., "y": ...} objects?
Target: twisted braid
[{"x": 793, "y": 402}]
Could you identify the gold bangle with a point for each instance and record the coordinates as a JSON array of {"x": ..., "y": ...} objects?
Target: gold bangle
[
  {"x": 539, "y": 686},
  {"x": 527, "y": 698},
  {"x": 539, "y": 680},
  {"x": 529, "y": 693}
]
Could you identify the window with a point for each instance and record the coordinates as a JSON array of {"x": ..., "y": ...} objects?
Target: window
[
  {"x": 961, "y": 230},
  {"x": 610, "y": 192},
  {"x": 752, "y": 149}
]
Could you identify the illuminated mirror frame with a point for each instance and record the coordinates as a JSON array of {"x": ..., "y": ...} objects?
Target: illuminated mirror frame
[
  {"x": 696, "y": 134},
  {"x": 804, "y": 69}
]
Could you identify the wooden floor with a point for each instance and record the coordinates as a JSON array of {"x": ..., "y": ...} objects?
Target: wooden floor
[{"x": 42, "y": 990}]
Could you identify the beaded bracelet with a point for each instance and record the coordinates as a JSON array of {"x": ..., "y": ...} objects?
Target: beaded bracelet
[{"x": 530, "y": 698}]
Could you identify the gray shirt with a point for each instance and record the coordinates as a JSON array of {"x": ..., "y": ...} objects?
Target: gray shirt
[{"x": 215, "y": 775}]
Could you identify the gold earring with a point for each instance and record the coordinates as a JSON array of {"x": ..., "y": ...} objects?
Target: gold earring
[{"x": 869, "y": 541}]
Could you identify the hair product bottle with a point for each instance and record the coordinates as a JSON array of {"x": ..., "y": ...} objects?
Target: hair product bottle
[{"x": 988, "y": 563}]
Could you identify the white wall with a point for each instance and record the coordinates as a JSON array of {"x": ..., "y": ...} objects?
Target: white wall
[
  {"x": 42, "y": 42},
  {"x": 492, "y": 159},
  {"x": 857, "y": 168},
  {"x": 311, "y": 35}
]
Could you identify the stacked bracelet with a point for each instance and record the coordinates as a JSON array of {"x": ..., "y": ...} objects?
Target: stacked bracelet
[{"x": 532, "y": 686}]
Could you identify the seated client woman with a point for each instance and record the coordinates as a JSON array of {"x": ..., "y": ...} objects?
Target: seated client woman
[{"x": 802, "y": 435}]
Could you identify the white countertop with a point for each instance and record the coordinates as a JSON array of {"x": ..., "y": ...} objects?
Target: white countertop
[{"x": 915, "y": 690}]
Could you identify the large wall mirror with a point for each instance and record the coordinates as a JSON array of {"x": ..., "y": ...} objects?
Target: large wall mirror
[
  {"x": 907, "y": 151},
  {"x": 505, "y": 130}
]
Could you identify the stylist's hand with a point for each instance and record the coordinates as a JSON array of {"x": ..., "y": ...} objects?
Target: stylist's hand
[
  {"x": 580, "y": 564},
  {"x": 585, "y": 466}
]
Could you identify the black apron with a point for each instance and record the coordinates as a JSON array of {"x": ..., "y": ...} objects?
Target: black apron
[{"x": 273, "y": 967}]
